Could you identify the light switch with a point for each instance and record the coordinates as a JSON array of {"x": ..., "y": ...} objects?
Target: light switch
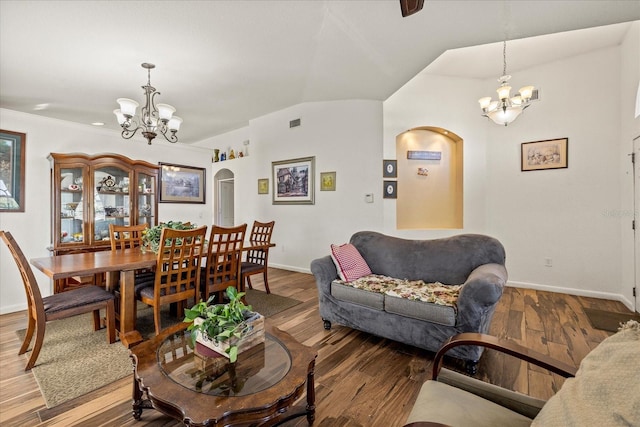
[{"x": 368, "y": 198}]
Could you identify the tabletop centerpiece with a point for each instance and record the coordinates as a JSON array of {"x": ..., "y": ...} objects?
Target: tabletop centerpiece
[
  {"x": 227, "y": 329},
  {"x": 151, "y": 236}
]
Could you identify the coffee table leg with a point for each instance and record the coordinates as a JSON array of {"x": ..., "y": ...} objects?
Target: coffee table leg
[
  {"x": 311, "y": 394},
  {"x": 137, "y": 400}
]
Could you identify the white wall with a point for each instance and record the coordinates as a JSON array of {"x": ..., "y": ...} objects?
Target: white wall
[
  {"x": 345, "y": 137},
  {"x": 32, "y": 230}
]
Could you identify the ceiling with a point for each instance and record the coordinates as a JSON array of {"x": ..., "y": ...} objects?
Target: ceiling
[{"x": 223, "y": 63}]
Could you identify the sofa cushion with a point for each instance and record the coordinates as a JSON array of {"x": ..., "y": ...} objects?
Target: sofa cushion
[
  {"x": 606, "y": 388},
  {"x": 441, "y": 314},
  {"x": 433, "y": 302},
  {"x": 349, "y": 262},
  {"x": 344, "y": 292}
]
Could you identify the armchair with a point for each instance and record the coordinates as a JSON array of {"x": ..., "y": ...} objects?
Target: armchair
[{"x": 605, "y": 390}]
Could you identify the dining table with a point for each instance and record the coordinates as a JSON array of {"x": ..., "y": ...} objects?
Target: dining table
[{"x": 118, "y": 265}]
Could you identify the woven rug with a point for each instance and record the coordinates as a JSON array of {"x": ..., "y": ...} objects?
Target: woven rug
[
  {"x": 75, "y": 359},
  {"x": 608, "y": 320}
]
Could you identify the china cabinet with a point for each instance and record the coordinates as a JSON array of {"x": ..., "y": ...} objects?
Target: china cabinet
[{"x": 89, "y": 192}]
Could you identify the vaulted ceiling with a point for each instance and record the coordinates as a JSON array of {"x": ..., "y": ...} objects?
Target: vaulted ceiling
[{"x": 222, "y": 63}]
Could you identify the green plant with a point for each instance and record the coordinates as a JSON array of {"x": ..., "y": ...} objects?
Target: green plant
[
  {"x": 151, "y": 236},
  {"x": 221, "y": 322}
]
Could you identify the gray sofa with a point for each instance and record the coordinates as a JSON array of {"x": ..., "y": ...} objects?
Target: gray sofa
[{"x": 475, "y": 261}]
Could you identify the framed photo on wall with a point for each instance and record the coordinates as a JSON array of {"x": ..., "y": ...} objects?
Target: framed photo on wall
[
  {"x": 389, "y": 168},
  {"x": 390, "y": 190},
  {"x": 12, "y": 172},
  {"x": 293, "y": 181},
  {"x": 181, "y": 184},
  {"x": 327, "y": 181},
  {"x": 548, "y": 154},
  {"x": 263, "y": 186}
]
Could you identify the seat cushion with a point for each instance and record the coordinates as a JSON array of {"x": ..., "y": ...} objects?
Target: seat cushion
[
  {"x": 248, "y": 267},
  {"x": 442, "y": 403},
  {"x": 75, "y": 298}
]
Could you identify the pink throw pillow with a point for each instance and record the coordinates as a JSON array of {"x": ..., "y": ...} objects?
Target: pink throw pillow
[{"x": 349, "y": 262}]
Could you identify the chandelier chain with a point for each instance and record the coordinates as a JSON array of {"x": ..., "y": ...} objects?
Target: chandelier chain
[{"x": 504, "y": 58}]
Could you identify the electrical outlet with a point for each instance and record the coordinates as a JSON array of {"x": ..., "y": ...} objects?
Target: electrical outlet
[{"x": 548, "y": 262}]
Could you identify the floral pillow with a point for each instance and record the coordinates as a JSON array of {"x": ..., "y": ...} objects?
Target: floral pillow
[{"x": 349, "y": 262}]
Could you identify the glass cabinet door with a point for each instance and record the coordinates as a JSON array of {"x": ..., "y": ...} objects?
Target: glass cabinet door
[
  {"x": 71, "y": 206},
  {"x": 146, "y": 199},
  {"x": 111, "y": 202}
]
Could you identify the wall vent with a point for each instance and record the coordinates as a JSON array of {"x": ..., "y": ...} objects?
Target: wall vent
[
  {"x": 535, "y": 95},
  {"x": 294, "y": 123}
]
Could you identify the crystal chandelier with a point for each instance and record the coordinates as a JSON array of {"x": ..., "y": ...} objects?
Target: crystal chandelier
[
  {"x": 506, "y": 109},
  {"x": 154, "y": 118}
]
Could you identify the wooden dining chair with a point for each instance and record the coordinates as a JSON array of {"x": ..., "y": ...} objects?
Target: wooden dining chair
[
  {"x": 256, "y": 261},
  {"x": 126, "y": 236},
  {"x": 41, "y": 310},
  {"x": 177, "y": 275},
  {"x": 224, "y": 255}
]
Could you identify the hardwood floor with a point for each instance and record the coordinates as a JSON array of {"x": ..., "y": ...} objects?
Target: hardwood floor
[{"x": 361, "y": 380}]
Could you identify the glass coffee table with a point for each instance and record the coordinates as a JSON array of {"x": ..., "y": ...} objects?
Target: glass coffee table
[{"x": 198, "y": 389}]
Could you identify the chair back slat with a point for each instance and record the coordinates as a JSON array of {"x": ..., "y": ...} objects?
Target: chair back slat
[
  {"x": 34, "y": 297},
  {"x": 126, "y": 236},
  {"x": 178, "y": 264},
  {"x": 224, "y": 257}
]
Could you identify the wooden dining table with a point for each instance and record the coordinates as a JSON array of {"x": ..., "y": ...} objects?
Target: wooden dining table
[{"x": 119, "y": 264}]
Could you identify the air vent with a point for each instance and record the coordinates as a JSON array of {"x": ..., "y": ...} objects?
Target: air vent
[
  {"x": 535, "y": 95},
  {"x": 294, "y": 123}
]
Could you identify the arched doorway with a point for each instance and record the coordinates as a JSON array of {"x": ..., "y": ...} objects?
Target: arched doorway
[{"x": 224, "y": 198}]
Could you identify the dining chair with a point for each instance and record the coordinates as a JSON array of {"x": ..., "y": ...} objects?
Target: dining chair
[
  {"x": 177, "y": 275},
  {"x": 224, "y": 255},
  {"x": 41, "y": 310},
  {"x": 256, "y": 260},
  {"x": 126, "y": 236}
]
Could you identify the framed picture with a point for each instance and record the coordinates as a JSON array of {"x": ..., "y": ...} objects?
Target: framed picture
[
  {"x": 181, "y": 184},
  {"x": 263, "y": 186},
  {"x": 390, "y": 190},
  {"x": 327, "y": 181},
  {"x": 12, "y": 172},
  {"x": 293, "y": 181},
  {"x": 389, "y": 168},
  {"x": 549, "y": 154}
]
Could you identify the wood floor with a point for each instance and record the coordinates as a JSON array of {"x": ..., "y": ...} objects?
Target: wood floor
[{"x": 361, "y": 380}]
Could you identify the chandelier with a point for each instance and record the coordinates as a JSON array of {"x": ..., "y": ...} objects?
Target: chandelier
[
  {"x": 154, "y": 118},
  {"x": 506, "y": 109}
]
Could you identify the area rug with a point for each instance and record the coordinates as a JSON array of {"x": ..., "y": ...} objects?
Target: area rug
[
  {"x": 75, "y": 359},
  {"x": 608, "y": 320}
]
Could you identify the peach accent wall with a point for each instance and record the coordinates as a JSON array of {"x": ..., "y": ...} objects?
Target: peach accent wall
[{"x": 430, "y": 192}]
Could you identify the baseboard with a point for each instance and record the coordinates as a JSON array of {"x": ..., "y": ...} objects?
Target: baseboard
[
  {"x": 290, "y": 268},
  {"x": 573, "y": 291}
]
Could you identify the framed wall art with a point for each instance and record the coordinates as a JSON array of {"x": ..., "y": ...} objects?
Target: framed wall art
[
  {"x": 263, "y": 186},
  {"x": 390, "y": 190},
  {"x": 327, "y": 181},
  {"x": 389, "y": 168},
  {"x": 181, "y": 184},
  {"x": 548, "y": 154},
  {"x": 293, "y": 181},
  {"x": 12, "y": 171}
]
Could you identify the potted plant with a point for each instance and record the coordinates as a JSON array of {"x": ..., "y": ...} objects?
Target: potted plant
[
  {"x": 151, "y": 236},
  {"x": 225, "y": 328}
]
